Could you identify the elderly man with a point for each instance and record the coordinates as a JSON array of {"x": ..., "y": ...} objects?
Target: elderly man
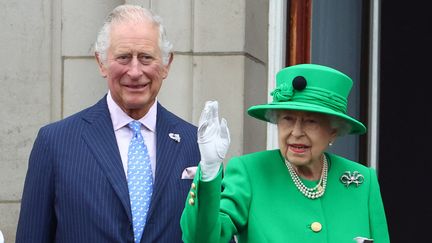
[{"x": 118, "y": 171}]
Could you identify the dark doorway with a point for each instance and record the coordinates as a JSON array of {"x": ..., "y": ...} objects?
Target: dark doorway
[{"x": 405, "y": 163}]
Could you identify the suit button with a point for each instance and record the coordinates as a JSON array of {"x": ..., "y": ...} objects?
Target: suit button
[
  {"x": 193, "y": 186},
  {"x": 191, "y": 201},
  {"x": 192, "y": 194},
  {"x": 316, "y": 227}
]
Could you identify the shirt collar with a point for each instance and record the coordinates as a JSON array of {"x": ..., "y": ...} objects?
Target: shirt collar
[{"x": 120, "y": 118}]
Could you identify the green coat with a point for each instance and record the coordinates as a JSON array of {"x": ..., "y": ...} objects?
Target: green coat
[{"x": 260, "y": 203}]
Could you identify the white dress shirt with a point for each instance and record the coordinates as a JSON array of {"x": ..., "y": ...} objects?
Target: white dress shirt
[{"x": 123, "y": 133}]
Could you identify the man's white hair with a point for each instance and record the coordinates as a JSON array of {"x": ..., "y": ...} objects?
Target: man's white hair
[{"x": 126, "y": 13}]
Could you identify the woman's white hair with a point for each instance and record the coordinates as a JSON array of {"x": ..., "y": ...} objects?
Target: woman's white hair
[
  {"x": 337, "y": 123},
  {"x": 125, "y": 13}
]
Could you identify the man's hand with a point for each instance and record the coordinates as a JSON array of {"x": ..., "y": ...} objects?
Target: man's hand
[{"x": 213, "y": 140}]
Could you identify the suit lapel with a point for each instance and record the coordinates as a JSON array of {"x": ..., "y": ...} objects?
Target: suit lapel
[
  {"x": 100, "y": 137},
  {"x": 166, "y": 149}
]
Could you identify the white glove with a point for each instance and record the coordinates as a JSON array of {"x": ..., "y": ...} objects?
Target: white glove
[
  {"x": 363, "y": 240},
  {"x": 1, "y": 237},
  {"x": 213, "y": 140}
]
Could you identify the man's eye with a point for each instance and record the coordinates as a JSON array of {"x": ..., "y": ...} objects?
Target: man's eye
[
  {"x": 145, "y": 59},
  {"x": 123, "y": 59}
]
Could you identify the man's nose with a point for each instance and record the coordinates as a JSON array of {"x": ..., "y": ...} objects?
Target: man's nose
[{"x": 135, "y": 69}]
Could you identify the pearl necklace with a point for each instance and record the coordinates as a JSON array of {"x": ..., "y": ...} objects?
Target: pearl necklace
[{"x": 314, "y": 192}]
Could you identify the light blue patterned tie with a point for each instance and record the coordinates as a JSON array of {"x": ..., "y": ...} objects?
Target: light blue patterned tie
[{"x": 140, "y": 179}]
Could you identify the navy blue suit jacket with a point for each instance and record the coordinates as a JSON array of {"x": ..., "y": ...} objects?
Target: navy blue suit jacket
[{"x": 76, "y": 189}]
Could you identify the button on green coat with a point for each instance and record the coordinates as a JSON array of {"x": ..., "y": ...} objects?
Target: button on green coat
[{"x": 260, "y": 203}]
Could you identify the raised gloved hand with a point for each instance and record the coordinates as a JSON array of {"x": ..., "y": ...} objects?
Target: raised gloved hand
[{"x": 213, "y": 140}]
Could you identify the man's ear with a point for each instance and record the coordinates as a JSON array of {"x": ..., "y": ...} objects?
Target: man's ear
[
  {"x": 168, "y": 65},
  {"x": 101, "y": 65}
]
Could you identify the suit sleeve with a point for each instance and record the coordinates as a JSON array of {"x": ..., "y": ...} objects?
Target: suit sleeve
[
  {"x": 37, "y": 220},
  {"x": 215, "y": 217},
  {"x": 378, "y": 222}
]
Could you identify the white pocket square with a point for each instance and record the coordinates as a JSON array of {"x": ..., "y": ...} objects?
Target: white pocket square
[{"x": 189, "y": 172}]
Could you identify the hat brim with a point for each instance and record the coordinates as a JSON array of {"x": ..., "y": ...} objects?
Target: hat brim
[{"x": 260, "y": 111}]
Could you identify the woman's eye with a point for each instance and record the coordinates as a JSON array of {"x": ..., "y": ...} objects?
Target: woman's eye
[
  {"x": 289, "y": 118},
  {"x": 311, "y": 121}
]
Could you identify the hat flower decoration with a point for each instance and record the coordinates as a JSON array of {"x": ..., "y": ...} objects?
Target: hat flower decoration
[{"x": 312, "y": 88}]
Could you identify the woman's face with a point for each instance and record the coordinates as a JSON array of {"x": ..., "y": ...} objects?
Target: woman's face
[{"x": 303, "y": 136}]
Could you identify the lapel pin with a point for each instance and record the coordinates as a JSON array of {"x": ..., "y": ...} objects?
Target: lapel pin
[
  {"x": 175, "y": 137},
  {"x": 347, "y": 178}
]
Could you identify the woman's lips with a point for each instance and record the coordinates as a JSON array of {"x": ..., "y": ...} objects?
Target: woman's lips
[{"x": 298, "y": 148}]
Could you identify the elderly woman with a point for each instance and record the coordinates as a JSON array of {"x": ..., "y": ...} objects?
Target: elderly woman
[{"x": 298, "y": 193}]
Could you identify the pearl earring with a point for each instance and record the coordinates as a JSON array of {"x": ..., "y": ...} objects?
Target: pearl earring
[{"x": 330, "y": 143}]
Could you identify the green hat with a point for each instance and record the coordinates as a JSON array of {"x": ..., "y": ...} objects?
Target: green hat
[{"x": 314, "y": 88}]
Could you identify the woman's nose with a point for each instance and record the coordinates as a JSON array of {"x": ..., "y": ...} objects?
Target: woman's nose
[{"x": 298, "y": 128}]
